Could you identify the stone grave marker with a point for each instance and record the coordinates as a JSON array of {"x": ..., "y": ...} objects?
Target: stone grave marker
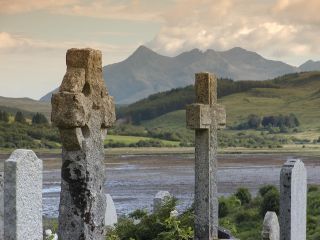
[
  {"x": 293, "y": 201},
  {"x": 82, "y": 110},
  {"x": 206, "y": 117},
  {"x": 23, "y": 196},
  {"x": 270, "y": 228},
  {"x": 160, "y": 198},
  {"x": 111, "y": 217},
  {"x": 1, "y": 206}
]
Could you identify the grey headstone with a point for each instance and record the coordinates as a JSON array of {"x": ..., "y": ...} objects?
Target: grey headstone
[
  {"x": 1, "y": 207},
  {"x": 206, "y": 117},
  {"x": 293, "y": 201},
  {"x": 160, "y": 198},
  {"x": 23, "y": 196},
  {"x": 82, "y": 110},
  {"x": 111, "y": 217},
  {"x": 270, "y": 228}
]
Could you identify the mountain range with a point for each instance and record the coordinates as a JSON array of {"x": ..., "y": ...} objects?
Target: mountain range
[{"x": 146, "y": 72}]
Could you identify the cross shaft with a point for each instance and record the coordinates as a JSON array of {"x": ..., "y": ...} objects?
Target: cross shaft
[{"x": 206, "y": 117}]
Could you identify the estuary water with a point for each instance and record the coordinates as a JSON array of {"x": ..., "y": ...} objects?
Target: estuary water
[{"x": 133, "y": 180}]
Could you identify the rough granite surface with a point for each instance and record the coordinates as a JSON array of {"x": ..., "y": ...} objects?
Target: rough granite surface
[
  {"x": 111, "y": 217},
  {"x": 23, "y": 196},
  {"x": 270, "y": 228},
  {"x": 205, "y": 117},
  {"x": 82, "y": 110},
  {"x": 293, "y": 201}
]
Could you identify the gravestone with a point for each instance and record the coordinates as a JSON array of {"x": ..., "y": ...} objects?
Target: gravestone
[
  {"x": 1, "y": 207},
  {"x": 23, "y": 196},
  {"x": 82, "y": 110},
  {"x": 111, "y": 214},
  {"x": 160, "y": 198},
  {"x": 293, "y": 201},
  {"x": 270, "y": 228},
  {"x": 206, "y": 117}
]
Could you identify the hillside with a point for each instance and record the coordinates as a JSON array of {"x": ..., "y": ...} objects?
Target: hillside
[
  {"x": 145, "y": 72},
  {"x": 160, "y": 103},
  {"x": 295, "y": 93},
  {"x": 26, "y": 105},
  {"x": 162, "y": 116}
]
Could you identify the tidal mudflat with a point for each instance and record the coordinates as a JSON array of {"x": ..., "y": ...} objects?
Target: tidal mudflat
[{"x": 133, "y": 180}]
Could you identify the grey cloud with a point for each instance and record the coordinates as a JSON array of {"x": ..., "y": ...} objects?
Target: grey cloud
[{"x": 271, "y": 28}]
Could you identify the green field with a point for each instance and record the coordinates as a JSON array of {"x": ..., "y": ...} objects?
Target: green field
[{"x": 127, "y": 140}]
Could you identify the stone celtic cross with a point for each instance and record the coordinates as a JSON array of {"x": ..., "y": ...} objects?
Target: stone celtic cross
[
  {"x": 206, "y": 117},
  {"x": 82, "y": 110}
]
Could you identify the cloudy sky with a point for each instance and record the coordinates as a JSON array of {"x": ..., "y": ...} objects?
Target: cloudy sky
[{"x": 35, "y": 34}]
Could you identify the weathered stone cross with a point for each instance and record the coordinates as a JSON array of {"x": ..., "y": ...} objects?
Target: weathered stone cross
[
  {"x": 206, "y": 117},
  {"x": 82, "y": 110}
]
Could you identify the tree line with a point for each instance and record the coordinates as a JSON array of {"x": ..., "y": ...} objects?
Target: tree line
[
  {"x": 273, "y": 121},
  {"x": 19, "y": 117}
]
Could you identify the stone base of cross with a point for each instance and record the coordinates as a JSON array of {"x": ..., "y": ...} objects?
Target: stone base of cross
[{"x": 206, "y": 117}]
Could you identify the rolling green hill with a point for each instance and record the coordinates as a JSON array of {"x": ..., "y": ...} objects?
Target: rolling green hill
[
  {"x": 295, "y": 93},
  {"x": 176, "y": 99}
]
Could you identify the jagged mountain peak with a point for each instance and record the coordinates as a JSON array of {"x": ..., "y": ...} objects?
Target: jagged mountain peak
[
  {"x": 310, "y": 65},
  {"x": 146, "y": 72}
]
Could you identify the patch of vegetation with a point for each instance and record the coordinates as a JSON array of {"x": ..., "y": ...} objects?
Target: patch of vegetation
[
  {"x": 21, "y": 134},
  {"x": 137, "y": 141},
  {"x": 164, "y": 102},
  {"x": 275, "y": 124},
  {"x": 161, "y": 225},
  {"x": 39, "y": 118},
  {"x": 240, "y": 213},
  {"x": 24, "y": 135}
]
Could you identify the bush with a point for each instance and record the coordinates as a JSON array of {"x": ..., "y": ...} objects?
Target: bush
[
  {"x": 39, "y": 119},
  {"x": 245, "y": 222},
  {"x": 4, "y": 116},
  {"x": 223, "y": 208},
  {"x": 19, "y": 117},
  {"x": 313, "y": 188},
  {"x": 266, "y": 189},
  {"x": 243, "y": 195},
  {"x": 245, "y": 216},
  {"x": 158, "y": 226},
  {"x": 270, "y": 202}
]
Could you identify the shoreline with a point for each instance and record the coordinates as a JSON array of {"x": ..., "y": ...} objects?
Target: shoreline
[
  {"x": 309, "y": 149},
  {"x": 167, "y": 156}
]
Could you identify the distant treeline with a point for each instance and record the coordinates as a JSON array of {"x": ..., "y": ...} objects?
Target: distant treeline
[
  {"x": 16, "y": 131},
  {"x": 19, "y": 116},
  {"x": 160, "y": 103},
  {"x": 283, "y": 122}
]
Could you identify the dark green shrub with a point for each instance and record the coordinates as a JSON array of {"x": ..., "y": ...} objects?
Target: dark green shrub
[
  {"x": 313, "y": 188},
  {"x": 270, "y": 202},
  {"x": 39, "y": 118},
  {"x": 243, "y": 195},
  {"x": 244, "y": 216},
  {"x": 19, "y": 117},
  {"x": 223, "y": 208},
  {"x": 158, "y": 226},
  {"x": 263, "y": 190}
]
